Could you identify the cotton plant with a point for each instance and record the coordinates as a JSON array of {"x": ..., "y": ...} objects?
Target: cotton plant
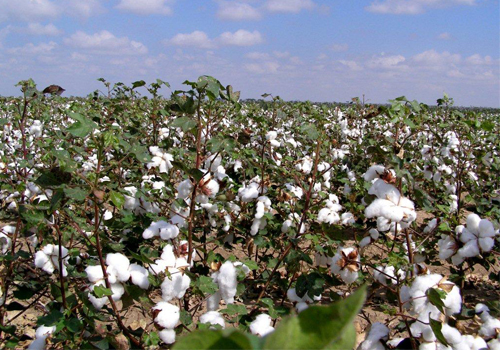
[
  {"x": 138, "y": 204},
  {"x": 214, "y": 319},
  {"x": 161, "y": 228},
  {"x": 262, "y": 207},
  {"x": 5, "y": 241},
  {"x": 490, "y": 325},
  {"x": 330, "y": 213},
  {"x": 48, "y": 257},
  {"x": 471, "y": 240},
  {"x": 346, "y": 264}
]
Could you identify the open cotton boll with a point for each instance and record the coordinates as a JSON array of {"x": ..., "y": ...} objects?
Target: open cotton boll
[
  {"x": 490, "y": 327},
  {"x": 305, "y": 165},
  {"x": 373, "y": 172},
  {"x": 184, "y": 189},
  {"x": 473, "y": 343},
  {"x": 161, "y": 160},
  {"x": 94, "y": 273},
  {"x": 383, "y": 190},
  {"x": 41, "y": 335},
  {"x": 213, "y": 301},
  {"x": 213, "y": 162},
  {"x": 167, "y": 336},
  {"x": 118, "y": 265},
  {"x": 48, "y": 259},
  {"x": 169, "y": 315},
  {"x": 261, "y": 326},
  {"x": 447, "y": 247},
  {"x": 378, "y": 331},
  {"x": 473, "y": 221},
  {"x": 493, "y": 344},
  {"x": 174, "y": 285},
  {"x": 5, "y": 241},
  {"x": 213, "y": 318},
  {"x": 249, "y": 193},
  {"x": 161, "y": 228},
  {"x": 227, "y": 282},
  {"x": 347, "y": 218},
  {"x": 346, "y": 264},
  {"x": 139, "y": 276}
]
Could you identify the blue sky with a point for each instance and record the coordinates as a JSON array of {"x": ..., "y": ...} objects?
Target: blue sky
[{"x": 299, "y": 49}]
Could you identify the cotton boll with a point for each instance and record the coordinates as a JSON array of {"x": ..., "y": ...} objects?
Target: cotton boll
[
  {"x": 447, "y": 247},
  {"x": 373, "y": 172},
  {"x": 292, "y": 295},
  {"x": 261, "y": 326},
  {"x": 213, "y": 318},
  {"x": 169, "y": 232},
  {"x": 490, "y": 326},
  {"x": 167, "y": 336},
  {"x": 139, "y": 276},
  {"x": 494, "y": 344},
  {"x": 213, "y": 162},
  {"x": 249, "y": 193},
  {"x": 213, "y": 301},
  {"x": 469, "y": 250},
  {"x": 473, "y": 221},
  {"x": 486, "y": 244},
  {"x": 301, "y": 306},
  {"x": 5, "y": 241},
  {"x": 365, "y": 241},
  {"x": 384, "y": 190},
  {"x": 184, "y": 189},
  {"x": 94, "y": 273},
  {"x": 378, "y": 331},
  {"x": 451, "y": 334},
  {"x": 175, "y": 285},
  {"x": 347, "y": 219},
  {"x": 41, "y": 335},
  {"x": 486, "y": 228},
  {"x": 119, "y": 263},
  {"x": 227, "y": 282},
  {"x": 169, "y": 315}
]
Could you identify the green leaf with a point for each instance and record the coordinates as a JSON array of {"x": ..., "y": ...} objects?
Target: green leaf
[
  {"x": 82, "y": 127},
  {"x": 319, "y": 327},
  {"x": 23, "y": 293},
  {"x": 310, "y": 131},
  {"x": 252, "y": 265},
  {"x": 233, "y": 309},
  {"x": 51, "y": 319},
  {"x": 151, "y": 339},
  {"x": 101, "y": 291},
  {"x": 312, "y": 284},
  {"x": 74, "y": 325},
  {"x": 32, "y": 216},
  {"x": 222, "y": 339},
  {"x": 436, "y": 298},
  {"x": 117, "y": 199},
  {"x": 77, "y": 193},
  {"x": 436, "y": 328},
  {"x": 185, "y": 123},
  {"x": 137, "y": 84},
  {"x": 207, "y": 285},
  {"x": 217, "y": 144}
]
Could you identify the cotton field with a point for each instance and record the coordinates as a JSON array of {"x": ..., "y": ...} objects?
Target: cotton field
[{"x": 199, "y": 219}]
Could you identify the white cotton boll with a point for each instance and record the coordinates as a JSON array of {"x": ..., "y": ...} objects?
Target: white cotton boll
[
  {"x": 240, "y": 266},
  {"x": 184, "y": 189},
  {"x": 43, "y": 261},
  {"x": 167, "y": 336},
  {"x": 377, "y": 332},
  {"x": 227, "y": 282},
  {"x": 94, "y": 273},
  {"x": 473, "y": 221},
  {"x": 237, "y": 166},
  {"x": 139, "y": 276},
  {"x": 261, "y": 326},
  {"x": 41, "y": 335},
  {"x": 373, "y": 172},
  {"x": 213, "y": 318},
  {"x": 454, "y": 203},
  {"x": 493, "y": 344},
  {"x": 328, "y": 215},
  {"x": 287, "y": 224},
  {"x": 481, "y": 308},
  {"x": 249, "y": 193},
  {"x": 98, "y": 303},
  {"x": 466, "y": 235},
  {"x": 213, "y": 301},
  {"x": 271, "y": 135},
  {"x": 469, "y": 250},
  {"x": 212, "y": 188},
  {"x": 486, "y": 228},
  {"x": 490, "y": 326},
  {"x": 447, "y": 247},
  {"x": 374, "y": 234},
  {"x": 393, "y": 213},
  {"x": 348, "y": 276},
  {"x": 107, "y": 215},
  {"x": 301, "y": 306},
  {"x": 347, "y": 218},
  {"x": 169, "y": 232},
  {"x": 451, "y": 334},
  {"x": 168, "y": 255},
  {"x": 431, "y": 225},
  {"x": 486, "y": 244},
  {"x": 5, "y": 241},
  {"x": 376, "y": 207},
  {"x": 175, "y": 285},
  {"x": 292, "y": 296},
  {"x": 169, "y": 315},
  {"x": 254, "y": 229},
  {"x": 384, "y": 190},
  {"x": 365, "y": 241},
  {"x": 118, "y": 291},
  {"x": 213, "y": 162},
  {"x": 473, "y": 343},
  {"x": 120, "y": 264},
  {"x": 457, "y": 259},
  {"x": 405, "y": 295}
]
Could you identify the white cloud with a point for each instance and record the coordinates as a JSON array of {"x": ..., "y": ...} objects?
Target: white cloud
[
  {"x": 83, "y": 8},
  {"x": 40, "y": 29},
  {"x": 444, "y": 36},
  {"x": 197, "y": 39},
  {"x": 352, "y": 65},
  {"x": 434, "y": 58},
  {"x": 237, "y": 11},
  {"x": 106, "y": 43},
  {"x": 258, "y": 56},
  {"x": 28, "y": 10},
  {"x": 263, "y": 67},
  {"x": 32, "y": 49},
  {"x": 240, "y": 38},
  {"x": 478, "y": 60},
  {"x": 413, "y": 7},
  {"x": 145, "y": 7},
  {"x": 339, "y": 47},
  {"x": 288, "y": 6},
  {"x": 386, "y": 62}
]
